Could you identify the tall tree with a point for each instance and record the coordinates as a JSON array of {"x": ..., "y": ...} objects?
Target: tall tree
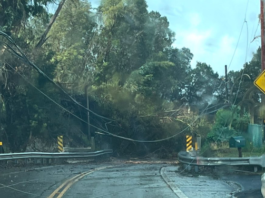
[
  {"x": 71, "y": 37},
  {"x": 201, "y": 85},
  {"x": 243, "y": 92},
  {"x": 22, "y": 20},
  {"x": 14, "y": 14},
  {"x": 123, "y": 38}
]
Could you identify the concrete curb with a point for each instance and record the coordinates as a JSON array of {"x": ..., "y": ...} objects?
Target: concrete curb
[{"x": 171, "y": 184}]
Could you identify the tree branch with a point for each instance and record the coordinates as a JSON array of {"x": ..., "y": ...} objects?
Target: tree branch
[{"x": 44, "y": 35}]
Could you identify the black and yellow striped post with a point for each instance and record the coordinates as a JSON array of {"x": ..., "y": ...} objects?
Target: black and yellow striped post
[
  {"x": 188, "y": 143},
  {"x": 60, "y": 143},
  {"x": 198, "y": 142},
  {"x": 1, "y": 147}
]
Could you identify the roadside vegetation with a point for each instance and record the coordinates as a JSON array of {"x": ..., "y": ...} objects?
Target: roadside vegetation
[{"x": 118, "y": 61}]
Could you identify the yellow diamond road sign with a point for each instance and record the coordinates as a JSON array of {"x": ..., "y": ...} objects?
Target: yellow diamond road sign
[{"x": 260, "y": 82}]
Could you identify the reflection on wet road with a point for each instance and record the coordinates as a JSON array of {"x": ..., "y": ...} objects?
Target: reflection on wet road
[{"x": 129, "y": 180}]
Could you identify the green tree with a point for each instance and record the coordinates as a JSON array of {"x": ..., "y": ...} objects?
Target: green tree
[
  {"x": 228, "y": 122},
  {"x": 71, "y": 37},
  {"x": 22, "y": 114},
  {"x": 243, "y": 92},
  {"x": 14, "y": 14},
  {"x": 201, "y": 84}
]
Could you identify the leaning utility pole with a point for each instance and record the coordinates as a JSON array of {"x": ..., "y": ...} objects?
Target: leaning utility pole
[
  {"x": 226, "y": 85},
  {"x": 88, "y": 116}
]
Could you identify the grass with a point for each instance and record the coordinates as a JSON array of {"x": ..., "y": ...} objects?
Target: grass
[
  {"x": 247, "y": 151},
  {"x": 233, "y": 152},
  {"x": 223, "y": 150}
]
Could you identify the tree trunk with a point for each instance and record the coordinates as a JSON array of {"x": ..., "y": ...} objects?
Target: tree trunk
[{"x": 44, "y": 35}]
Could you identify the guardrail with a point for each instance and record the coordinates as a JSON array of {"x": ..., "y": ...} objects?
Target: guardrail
[
  {"x": 191, "y": 159},
  {"x": 44, "y": 155}
]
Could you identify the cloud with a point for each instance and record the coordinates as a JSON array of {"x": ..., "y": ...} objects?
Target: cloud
[
  {"x": 192, "y": 36},
  {"x": 195, "y": 19},
  {"x": 222, "y": 54},
  {"x": 210, "y": 29},
  {"x": 195, "y": 39}
]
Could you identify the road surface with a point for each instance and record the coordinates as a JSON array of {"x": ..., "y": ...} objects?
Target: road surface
[{"x": 129, "y": 179}]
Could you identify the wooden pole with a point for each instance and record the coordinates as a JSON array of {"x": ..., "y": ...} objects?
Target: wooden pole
[
  {"x": 226, "y": 84},
  {"x": 88, "y": 115},
  {"x": 262, "y": 49},
  {"x": 262, "y": 35}
]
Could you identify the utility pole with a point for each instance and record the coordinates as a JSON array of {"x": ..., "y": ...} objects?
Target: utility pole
[
  {"x": 88, "y": 116},
  {"x": 262, "y": 53},
  {"x": 262, "y": 35},
  {"x": 226, "y": 84}
]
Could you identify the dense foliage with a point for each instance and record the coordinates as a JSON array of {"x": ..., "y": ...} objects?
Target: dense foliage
[{"x": 118, "y": 61}]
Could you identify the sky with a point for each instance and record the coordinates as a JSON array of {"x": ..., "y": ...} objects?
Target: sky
[{"x": 211, "y": 29}]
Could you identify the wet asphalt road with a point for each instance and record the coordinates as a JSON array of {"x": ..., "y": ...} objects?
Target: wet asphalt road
[
  {"x": 250, "y": 185},
  {"x": 35, "y": 182},
  {"x": 126, "y": 181},
  {"x": 120, "y": 180},
  {"x": 129, "y": 180}
]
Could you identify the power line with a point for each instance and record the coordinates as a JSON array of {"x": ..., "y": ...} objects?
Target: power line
[
  {"x": 241, "y": 78},
  {"x": 105, "y": 131},
  {"x": 236, "y": 46},
  {"x": 24, "y": 58},
  {"x": 239, "y": 36},
  {"x": 254, "y": 36},
  {"x": 214, "y": 106}
]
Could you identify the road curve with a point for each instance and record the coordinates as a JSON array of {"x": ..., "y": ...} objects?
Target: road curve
[{"x": 99, "y": 180}]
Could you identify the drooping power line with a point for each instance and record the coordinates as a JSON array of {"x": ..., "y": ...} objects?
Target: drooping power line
[
  {"x": 24, "y": 58},
  {"x": 107, "y": 132}
]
